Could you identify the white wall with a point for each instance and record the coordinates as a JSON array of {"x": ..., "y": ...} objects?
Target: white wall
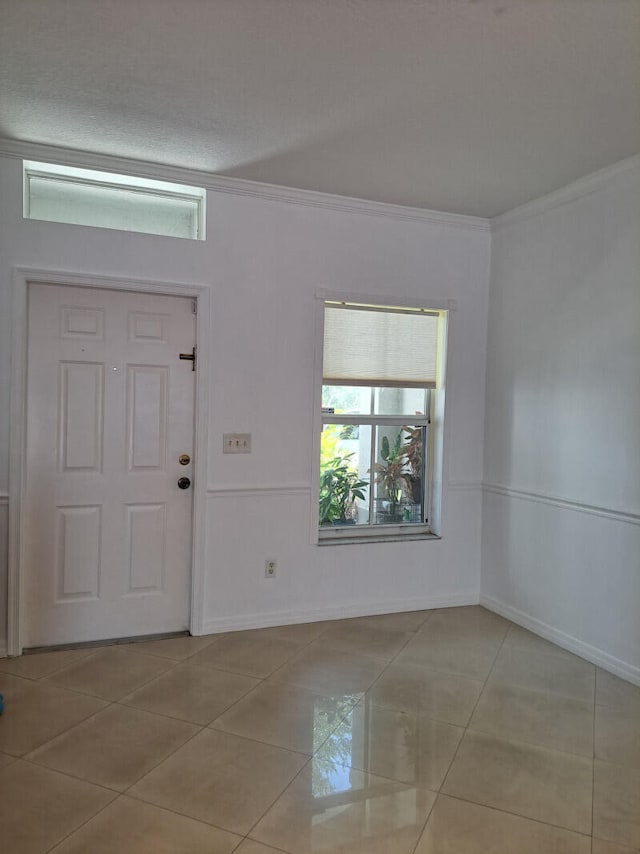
[
  {"x": 264, "y": 261},
  {"x": 561, "y": 522}
]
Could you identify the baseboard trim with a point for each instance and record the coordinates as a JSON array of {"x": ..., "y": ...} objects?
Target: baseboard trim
[
  {"x": 338, "y": 612},
  {"x": 584, "y": 650}
]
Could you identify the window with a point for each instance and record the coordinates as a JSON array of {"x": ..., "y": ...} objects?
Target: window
[
  {"x": 86, "y": 197},
  {"x": 382, "y": 405}
]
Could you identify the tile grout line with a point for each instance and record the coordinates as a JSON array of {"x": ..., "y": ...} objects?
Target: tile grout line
[
  {"x": 44, "y": 675},
  {"x": 46, "y": 680},
  {"x": 523, "y": 739},
  {"x": 311, "y": 758},
  {"x": 261, "y": 681},
  {"x": 301, "y": 647},
  {"x": 277, "y": 798},
  {"x": 81, "y": 825},
  {"x": 320, "y": 694},
  {"x": 455, "y": 753},
  {"x": 520, "y": 816},
  {"x": 466, "y": 727},
  {"x": 64, "y": 732},
  {"x": 71, "y": 776},
  {"x": 117, "y": 792},
  {"x": 475, "y": 706},
  {"x": 139, "y": 800},
  {"x": 294, "y": 778},
  {"x": 174, "y": 663},
  {"x": 202, "y": 727},
  {"x": 206, "y": 669},
  {"x": 516, "y": 741},
  {"x": 109, "y": 703}
]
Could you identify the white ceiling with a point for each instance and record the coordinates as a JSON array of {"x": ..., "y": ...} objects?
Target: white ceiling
[{"x": 467, "y": 106}]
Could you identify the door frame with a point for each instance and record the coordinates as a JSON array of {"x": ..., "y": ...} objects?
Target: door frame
[{"x": 21, "y": 279}]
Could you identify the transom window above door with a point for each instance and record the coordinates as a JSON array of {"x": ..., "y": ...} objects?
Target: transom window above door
[{"x": 86, "y": 197}]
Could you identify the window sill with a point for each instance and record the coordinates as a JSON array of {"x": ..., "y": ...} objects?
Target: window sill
[{"x": 399, "y": 534}]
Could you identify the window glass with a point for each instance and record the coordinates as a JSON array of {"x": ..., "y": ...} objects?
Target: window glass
[
  {"x": 346, "y": 399},
  {"x": 345, "y": 477},
  {"x": 399, "y": 475},
  {"x": 400, "y": 401},
  {"x": 105, "y": 200}
]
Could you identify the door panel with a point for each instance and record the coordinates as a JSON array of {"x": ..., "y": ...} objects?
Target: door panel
[
  {"x": 147, "y": 416},
  {"x": 146, "y": 547},
  {"x": 81, "y": 414},
  {"x": 78, "y": 553},
  {"x": 107, "y": 531}
]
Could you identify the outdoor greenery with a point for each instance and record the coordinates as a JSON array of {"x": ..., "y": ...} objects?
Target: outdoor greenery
[
  {"x": 391, "y": 473},
  {"x": 340, "y": 486},
  {"x": 397, "y": 472}
]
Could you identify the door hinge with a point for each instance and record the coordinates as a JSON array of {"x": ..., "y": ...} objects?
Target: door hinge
[
  {"x": 194, "y": 306},
  {"x": 190, "y": 357}
]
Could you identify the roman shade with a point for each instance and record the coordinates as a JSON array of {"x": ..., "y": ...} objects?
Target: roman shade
[{"x": 380, "y": 346}]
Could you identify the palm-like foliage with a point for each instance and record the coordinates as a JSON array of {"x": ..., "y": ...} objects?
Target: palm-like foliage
[
  {"x": 340, "y": 486},
  {"x": 392, "y": 474}
]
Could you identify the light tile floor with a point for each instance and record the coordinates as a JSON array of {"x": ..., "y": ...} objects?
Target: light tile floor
[{"x": 435, "y": 732}]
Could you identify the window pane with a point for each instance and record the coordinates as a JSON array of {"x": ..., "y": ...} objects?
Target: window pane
[
  {"x": 345, "y": 459},
  {"x": 129, "y": 203},
  {"x": 400, "y": 401},
  {"x": 347, "y": 400},
  {"x": 399, "y": 475}
]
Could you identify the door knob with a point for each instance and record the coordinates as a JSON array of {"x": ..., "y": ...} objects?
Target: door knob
[{"x": 184, "y": 482}]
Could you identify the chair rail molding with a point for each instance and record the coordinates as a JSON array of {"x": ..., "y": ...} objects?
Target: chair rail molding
[
  {"x": 249, "y": 490},
  {"x": 613, "y": 513}
]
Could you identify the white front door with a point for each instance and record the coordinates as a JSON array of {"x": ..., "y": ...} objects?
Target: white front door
[{"x": 110, "y": 410}]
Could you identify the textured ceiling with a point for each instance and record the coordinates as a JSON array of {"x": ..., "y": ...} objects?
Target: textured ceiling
[{"x": 467, "y": 106}]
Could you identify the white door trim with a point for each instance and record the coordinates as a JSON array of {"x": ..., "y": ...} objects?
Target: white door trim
[{"x": 22, "y": 277}]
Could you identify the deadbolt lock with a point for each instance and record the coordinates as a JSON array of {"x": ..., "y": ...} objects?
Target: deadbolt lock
[{"x": 184, "y": 459}]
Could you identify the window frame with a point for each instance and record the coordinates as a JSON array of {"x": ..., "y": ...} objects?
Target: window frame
[
  {"x": 375, "y": 422},
  {"x": 146, "y": 189},
  {"x": 435, "y": 432}
]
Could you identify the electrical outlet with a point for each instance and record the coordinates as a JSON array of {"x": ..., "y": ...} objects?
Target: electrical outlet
[
  {"x": 236, "y": 443},
  {"x": 270, "y": 567}
]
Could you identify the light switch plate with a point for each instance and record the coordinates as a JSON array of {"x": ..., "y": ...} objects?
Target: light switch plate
[{"x": 236, "y": 443}]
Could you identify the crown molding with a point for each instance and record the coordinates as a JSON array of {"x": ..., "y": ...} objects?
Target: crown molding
[
  {"x": 572, "y": 192},
  {"x": 235, "y": 186}
]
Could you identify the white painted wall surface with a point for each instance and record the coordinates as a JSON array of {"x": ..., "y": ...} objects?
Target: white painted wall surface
[
  {"x": 264, "y": 260},
  {"x": 561, "y": 525}
]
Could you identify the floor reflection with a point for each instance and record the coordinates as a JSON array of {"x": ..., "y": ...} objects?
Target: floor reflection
[
  {"x": 404, "y": 746},
  {"x": 335, "y": 798}
]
